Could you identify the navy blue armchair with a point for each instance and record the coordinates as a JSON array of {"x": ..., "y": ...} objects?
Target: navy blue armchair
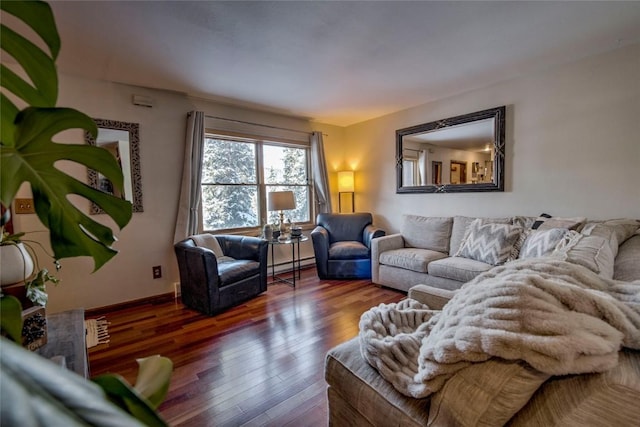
[{"x": 342, "y": 245}]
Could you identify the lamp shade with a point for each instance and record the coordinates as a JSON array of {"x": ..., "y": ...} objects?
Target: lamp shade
[
  {"x": 346, "y": 182},
  {"x": 280, "y": 201}
]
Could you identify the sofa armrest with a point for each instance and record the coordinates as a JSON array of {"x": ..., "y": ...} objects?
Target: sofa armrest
[
  {"x": 379, "y": 245},
  {"x": 370, "y": 232},
  {"x": 320, "y": 240},
  {"x": 435, "y": 298}
]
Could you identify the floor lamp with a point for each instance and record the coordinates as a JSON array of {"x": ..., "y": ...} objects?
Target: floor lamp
[{"x": 345, "y": 185}]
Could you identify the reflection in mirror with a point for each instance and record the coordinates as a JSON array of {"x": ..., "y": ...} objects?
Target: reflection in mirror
[
  {"x": 121, "y": 139},
  {"x": 470, "y": 147}
]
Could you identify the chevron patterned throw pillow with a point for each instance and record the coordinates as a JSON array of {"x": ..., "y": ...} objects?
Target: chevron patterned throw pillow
[
  {"x": 492, "y": 244},
  {"x": 541, "y": 242}
]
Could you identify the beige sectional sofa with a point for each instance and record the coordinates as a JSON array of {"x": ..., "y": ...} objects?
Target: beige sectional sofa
[
  {"x": 497, "y": 391},
  {"x": 430, "y": 250}
]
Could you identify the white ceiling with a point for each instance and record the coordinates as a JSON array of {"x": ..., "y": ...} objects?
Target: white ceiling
[{"x": 333, "y": 62}]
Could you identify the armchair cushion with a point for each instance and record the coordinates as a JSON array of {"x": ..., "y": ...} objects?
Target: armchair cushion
[
  {"x": 236, "y": 270},
  {"x": 348, "y": 250}
]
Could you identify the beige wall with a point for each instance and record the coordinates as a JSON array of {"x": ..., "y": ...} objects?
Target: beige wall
[
  {"x": 148, "y": 239},
  {"x": 573, "y": 146}
]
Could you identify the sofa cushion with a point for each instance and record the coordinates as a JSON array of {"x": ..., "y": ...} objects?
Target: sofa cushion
[
  {"x": 348, "y": 250},
  {"x": 622, "y": 228},
  {"x": 460, "y": 226},
  {"x": 540, "y": 243},
  {"x": 523, "y": 221},
  {"x": 493, "y": 392},
  {"x": 427, "y": 232},
  {"x": 546, "y": 222},
  {"x": 457, "y": 268},
  {"x": 593, "y": 252},
  {"x": 350, "y": 376},
  {"x": 606, "y": 232},
  {"x": 410, "y": 258},
  {"x": 609, "y": 398},
  {"x": 493, "y": 244},
  {"x": 627, "y": 267}
]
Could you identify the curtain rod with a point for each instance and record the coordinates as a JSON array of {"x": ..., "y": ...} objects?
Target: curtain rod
[{"x": 257, "y": 124}]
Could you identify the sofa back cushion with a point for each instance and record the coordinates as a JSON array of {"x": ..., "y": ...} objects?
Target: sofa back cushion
[
  {"x": 593, "y": 252},
  {"x": 460, "y": 226},
  {"x": 433, "y": 233},
  {"x": 547, "y": 222},
  {"x": 627, "y": 267},
  {"x": 621, "y": 228}
]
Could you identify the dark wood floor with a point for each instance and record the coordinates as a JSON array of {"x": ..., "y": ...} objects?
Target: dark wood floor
[{"x": 258, "y": 364}]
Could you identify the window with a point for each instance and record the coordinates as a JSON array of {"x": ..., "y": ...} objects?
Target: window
[{"x": 238, "y": 173}]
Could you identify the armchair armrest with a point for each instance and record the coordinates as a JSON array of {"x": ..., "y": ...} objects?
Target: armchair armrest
[
  {"x": 382, "y": 244},
  {"x": 435, "y": 298},
  {"x": 320, "y": 240},
  {"x": 370, "y": 232}
]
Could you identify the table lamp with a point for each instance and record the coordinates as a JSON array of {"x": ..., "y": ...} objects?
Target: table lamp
[{"x": 281, "y": 201}]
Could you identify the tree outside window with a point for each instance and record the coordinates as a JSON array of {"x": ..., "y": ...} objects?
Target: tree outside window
[{"x": 233, "y": 191}]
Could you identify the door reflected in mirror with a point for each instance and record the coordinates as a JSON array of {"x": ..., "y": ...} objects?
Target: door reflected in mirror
[
  {"x": 122, "y": 140},
  {"x": 471, "y": 147}
]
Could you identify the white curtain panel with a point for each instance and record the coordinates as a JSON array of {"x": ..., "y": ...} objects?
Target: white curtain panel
[
  {"x": 189, "y": 219},
  {"x": 320, "y": 175}
]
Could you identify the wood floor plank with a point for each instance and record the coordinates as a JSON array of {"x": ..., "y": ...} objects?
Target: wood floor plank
[{"x": 258, "y": 364}]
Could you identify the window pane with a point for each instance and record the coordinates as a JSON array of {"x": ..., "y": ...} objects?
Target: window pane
[
  {"x": 229, "y": 206},
  {"x": 228, "y": 162},
  {"x": 300, "y": 213},
  {"x": 285, "y": 165}
]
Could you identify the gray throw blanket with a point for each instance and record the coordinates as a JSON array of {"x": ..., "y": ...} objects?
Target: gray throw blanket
[{"x": 559, "y": 317}]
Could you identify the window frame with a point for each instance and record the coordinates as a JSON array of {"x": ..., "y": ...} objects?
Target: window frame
[{"x": 261, "y": 185}]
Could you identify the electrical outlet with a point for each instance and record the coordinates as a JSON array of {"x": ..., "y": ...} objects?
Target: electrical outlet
[
  {"x": 24, "y": 206},
  {"x": 157, "y": 272}
]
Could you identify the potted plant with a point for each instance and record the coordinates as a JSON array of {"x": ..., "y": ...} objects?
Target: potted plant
[
  {"x": 20, "y": 264},
  {"x": 29, "y": 121}
]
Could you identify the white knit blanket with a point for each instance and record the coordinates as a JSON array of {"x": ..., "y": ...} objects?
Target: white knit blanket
[{"x": 559, "y": 317}]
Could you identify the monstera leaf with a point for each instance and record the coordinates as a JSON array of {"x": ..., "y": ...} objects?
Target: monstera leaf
[
  {"x": 28, "y": 152},
  {"x": 33, "y": 159},
  {"x": 150, "y": 389}
]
